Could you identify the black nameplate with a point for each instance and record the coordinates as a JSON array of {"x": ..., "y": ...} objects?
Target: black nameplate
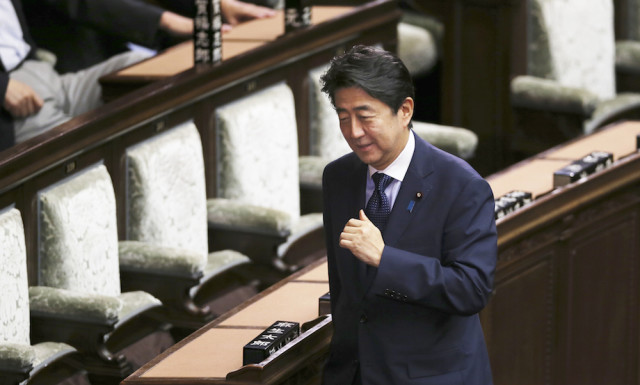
[
  {"x": 269, "y": 341},
  {"x": 324, "y": 304},
  {"x": 592, "y": 163},
  {"x": 297, "y": 15},
  {"x": 511, "y": 202},
  {"x": 207, "y": 32}
]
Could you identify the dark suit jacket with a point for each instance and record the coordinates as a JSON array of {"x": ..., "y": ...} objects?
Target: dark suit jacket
[
  {"x": 414, "y": 319},
  {"x": 6, "y": 120},
  {"x": 86, "y": 32}
]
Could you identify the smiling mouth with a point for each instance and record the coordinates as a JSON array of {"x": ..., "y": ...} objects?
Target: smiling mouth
[{"x": 363, "y": 146}]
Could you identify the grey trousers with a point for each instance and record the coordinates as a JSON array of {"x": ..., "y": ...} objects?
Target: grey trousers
[{"x": 65, "y": 96}]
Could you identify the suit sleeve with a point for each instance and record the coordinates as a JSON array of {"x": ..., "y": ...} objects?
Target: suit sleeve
[
  {"x": 133, "y": 20},
  {"x": 460, "y": 280},
  {"x": 334, "y": 281}
]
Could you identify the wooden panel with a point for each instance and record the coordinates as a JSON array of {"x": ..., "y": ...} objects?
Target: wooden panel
[
  {"x": 518, "y": 323},
  {"x": 601, "y": 316}
]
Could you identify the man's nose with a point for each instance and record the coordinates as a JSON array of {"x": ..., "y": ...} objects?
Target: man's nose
[{"x": 356, "y": 131}]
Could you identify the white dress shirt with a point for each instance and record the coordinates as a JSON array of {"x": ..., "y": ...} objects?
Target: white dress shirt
[
  {"x": 13, "y": 48},
  {"x": 397, "y": 170}
]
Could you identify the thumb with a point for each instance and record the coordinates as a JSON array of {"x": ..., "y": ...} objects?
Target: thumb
[{"x": 363, "y": 216}]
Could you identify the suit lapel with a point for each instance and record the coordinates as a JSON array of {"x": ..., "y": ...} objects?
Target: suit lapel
[
  {"x": 355, "y": 188},
  {"x": 414, "y": 191}
]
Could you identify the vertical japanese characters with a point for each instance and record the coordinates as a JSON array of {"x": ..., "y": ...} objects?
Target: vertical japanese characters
[{"x": 207, "y": 32}]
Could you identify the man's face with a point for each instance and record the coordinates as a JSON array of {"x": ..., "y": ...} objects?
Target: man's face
[{"x": 374, "y": 132}]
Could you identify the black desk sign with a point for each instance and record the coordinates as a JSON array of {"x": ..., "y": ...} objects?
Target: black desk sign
[
  {"x": 511, "y": 202},
  {"x": 269, "y": 341},
  {"x": 207, "y": 32},
  {"x": 324, "y": 304},
  {"x": 297, "y": 15},
  {"x": 592, "y": 163}
]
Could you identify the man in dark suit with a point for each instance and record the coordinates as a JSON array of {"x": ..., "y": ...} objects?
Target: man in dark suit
[
  {"x": 82, "y": 33},
  {"x": 34, "y": 97},
  {"x": 405, "y": 291}
]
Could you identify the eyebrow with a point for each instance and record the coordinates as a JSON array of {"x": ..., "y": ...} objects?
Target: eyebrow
[{"x": 364, "y": 107}]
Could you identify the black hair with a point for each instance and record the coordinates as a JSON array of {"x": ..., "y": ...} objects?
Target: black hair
[{"x": 379, "y": 73}]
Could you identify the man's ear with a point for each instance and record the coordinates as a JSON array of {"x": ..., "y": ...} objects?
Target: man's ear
[{"x": 406, "y": 111}]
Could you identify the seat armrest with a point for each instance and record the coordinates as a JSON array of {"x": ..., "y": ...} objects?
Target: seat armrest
[
  {"x": 628, "y": 56},
  {"x": 625, "y": 106},
  {"x": 151, "y": 258},
  {"x": 311, "y": 169},
  {"x": 231, "y": 214},
  {"x": 52, "y": 302},
  {"x": 16, "y": 360},
  {"x": 627, "y": 66},
  {"x": 152, "y": 269},
  {"x": 546, "y": 95},
  {"x": 251, "y": 230},
  {"x": 306, "y": 244},
  {"x": 81, "y": 320},
  {"x": 455, "y": 140}
]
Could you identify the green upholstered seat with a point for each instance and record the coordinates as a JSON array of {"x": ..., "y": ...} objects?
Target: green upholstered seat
[
  {"x": 19, "y": 360},
  {"x": 79, "y": 271},
  {"x": 258, "y": 164},
  {"x": 167, "y": 233},
  {"x": 570, "y": 88}
]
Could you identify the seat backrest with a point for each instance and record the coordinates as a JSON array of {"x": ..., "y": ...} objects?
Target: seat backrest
[
  {"x": 166, "y": 193},
  {"x": 573, "y": 42},
  {"x": 325, "y": 135},
  {"x": 14, "y": 304},
  {"x": 78, "y": 237},
  {"x": 258, "y": 150}
]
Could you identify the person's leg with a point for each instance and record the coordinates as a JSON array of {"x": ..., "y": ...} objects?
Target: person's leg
[
  {"x": 82, "y": 90},
  {"x": 46, "y": 82}
]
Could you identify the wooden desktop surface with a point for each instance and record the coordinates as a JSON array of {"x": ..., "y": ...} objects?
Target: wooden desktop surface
[
  {"x": 240, "y": 39},
  {"x": 535, "y": 175},
  {"x": 216, "y": 349}
]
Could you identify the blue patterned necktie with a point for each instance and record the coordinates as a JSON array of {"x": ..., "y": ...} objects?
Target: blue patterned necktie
[{"x": 378, "y": 207}]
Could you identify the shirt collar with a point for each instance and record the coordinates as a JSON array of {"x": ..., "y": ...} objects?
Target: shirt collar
[{"x": 398, "y": 168}]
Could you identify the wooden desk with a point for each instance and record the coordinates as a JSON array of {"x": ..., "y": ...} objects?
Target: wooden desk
[
  {"x": 213, "y": 354},
  {"x": 171, "y": 62},
  {"x": 241, "y": 39},
  {"x": 536, "y": 175},
  {"x": 565, "y": 305}
]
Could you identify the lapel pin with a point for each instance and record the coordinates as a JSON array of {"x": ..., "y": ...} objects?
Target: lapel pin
[
  {"x": 413, "y": 202},
  {"x": 410, "y": 207}
]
